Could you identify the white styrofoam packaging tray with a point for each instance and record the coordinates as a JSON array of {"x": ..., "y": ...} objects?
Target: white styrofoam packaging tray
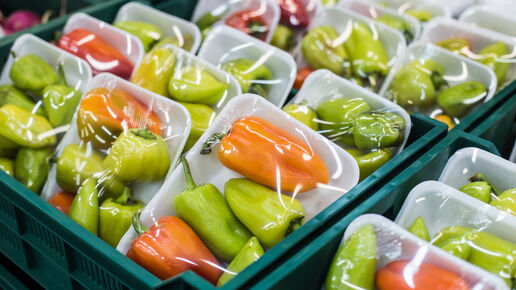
[
  {"x": 372, "y": 10},
  {"x": 508, "y": 7},
  {"x": 224, "y": 44},
  {"x": 128, "y": 44},
  {"x": 435, "y": 9},
  {"x": 267, "y": 9},
  {"x": 490, "y": 18},
  {"x": 323, "y": 85},
  {"x": 341, "y": 166},
  {"x": 175, "y": 121},
  {"x": 468, "y": 161},
  {"x": 170, "y": 25},
  {"x": 76, "y": 70},
  {"x": 341, "y": 19},
  {"x": 457, "y": 69},
  {"x": 396, "y": 243},
  {"x": 439, "y": 29},
  {"x": 454, "y": 6}
]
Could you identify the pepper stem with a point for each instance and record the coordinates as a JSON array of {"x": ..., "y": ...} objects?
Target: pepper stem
[
  {"x": 13, "y": 53},
  {"x": 125, "y": 197},
  {"x": 480, "y": 177},
  {"x": 62, "y": 78},
  {"x": 144, "y": 133},
  {"x": 210, "y": 142},
  {"x": 137, "y": 224},
  {"x": 190, "y": 183},
  {"x": 294, "y": 225}
]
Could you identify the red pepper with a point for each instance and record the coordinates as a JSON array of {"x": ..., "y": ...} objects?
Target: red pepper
[
  {"x": 62, "y": 201},
  {"x": 293, "y": 14},
  {"x": 250, "y": 22},
  {"x": 100, "y": 55},
  {"x": 302, "y": 74}
]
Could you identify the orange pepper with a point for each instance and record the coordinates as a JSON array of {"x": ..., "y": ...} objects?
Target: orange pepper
[
  {"x": 302, "y": 74},
  {"x": 62, "y": 201},
  {"x": 105, "y": 113},
  {"x": 170, "y": 247},
  {"x": 425, "y": 277},
  {"x": 266, "y": 154},
  {"x": 446, "y": 120}
]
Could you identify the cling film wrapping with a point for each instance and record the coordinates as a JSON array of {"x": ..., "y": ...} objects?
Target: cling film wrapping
[
  {"x": 366, "y": 125},
  {"x": 122, "y": 144},
  {"x": 253, "y": 178}
]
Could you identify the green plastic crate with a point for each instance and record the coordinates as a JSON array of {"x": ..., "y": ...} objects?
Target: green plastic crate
[
  {"x": 58, "y": 253},
  {"x": 307, "y": 269}
]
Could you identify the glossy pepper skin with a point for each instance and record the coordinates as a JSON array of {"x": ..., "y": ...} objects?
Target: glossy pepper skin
[
  {"x": 24, "y": 128},
  {"x": 293, "y": 14},
  {"x": 60, "y": 101},
  {"x": 269, "y": 215},
  {"x": 206, "y": 22},
  {"x": 146, "y": 32},
  {"x": 196, "y": 85},
  {"x": 354, "y": 263},
  {"x": 32, "y": 167},
  {"x": 491, "y": 56},
  {"x": 85, "y": 206},
  {"x": 369, "y": 161},
  {"x": 202, "y": 116},
  {"x": 78, "y": 163},
  {"x": 479, "y": 190},
  {"x": 282, "y": 37},
  {"x": 170, "y": 247},
  {"x": 138, "y": 155},
  {"x": 303, "y": 113},
  {"x": 506, "y": 201},
  {"x": 104, "y": 114},
  {"x": 456, "y": 101},
  {"x": 248, "y": 21},
  {"x": 155, "y": 70},
  {"x": 7, "y": 147},
  {"x": 204, "y": 208},
  {"x": 456, "y": 45},
  {"x": 7, "y": 165},
  {"x": 397, "y": 23},
  {"x": 378, "y": 130},
  {"x": 100, "y": 55},
  {"x": 115, "y": 216},
  {"x": 321, "y": 51},
  {"x": 185, "y": 41},
  {"x": 62, "y": 200},
  {"x": 423, "y": 276},
  {"x": 259, "y": 150},
  {"x": 250, "y": 75},
  {"x": 418, "y": 228},
  {"x": 32, "y": 73},
  {"x": 250, "y": 253},
  {"x": 9, "y": 94}
]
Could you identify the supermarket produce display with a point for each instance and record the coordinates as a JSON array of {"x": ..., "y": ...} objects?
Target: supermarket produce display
[{"x": 239, "y": 144}]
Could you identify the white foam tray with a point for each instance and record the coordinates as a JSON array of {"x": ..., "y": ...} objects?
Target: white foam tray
[{"x": 490, "y": 18}]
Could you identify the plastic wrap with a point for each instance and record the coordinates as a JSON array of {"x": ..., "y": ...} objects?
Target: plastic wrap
[
  {"x": 267, "y": 146},
  {"x": 261, "y": 68},
  {"x": 491, "y": 18},
  {"x": 496, "y": 50},
  {"x": 171, "y": 29},
  {"x": 350, "y": 45},
  {"x": 436, "y": 82},
  {"x": 463, "y": 226},
  {"x": 334, "y": 106},
  {"x": 407, "y": 25},
  {"x": 375, "y": 253},
  {"x": 105, "y": 47},
  {"x": 40, "y": 88},
  {"x": 421, "y": 10},
  {"x": 122, "y": 144},
  {"x": 258, "y": 18}
]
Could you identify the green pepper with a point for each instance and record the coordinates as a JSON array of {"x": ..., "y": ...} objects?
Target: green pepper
[
  {"x": 155, "y": 70},
  {"x": 249, "y": 75},
  {"x": 368, "y": 162},
  {"x": 202, "y": 116},
  {"x": 78, "y": 163},
  {"x": 303, "y": 113},
  {"x": 146, "y": 32},
  {"x": 378, "y": 130},
  {"x": 11, "y": 95},
  {"x": 30, "y": 72},
  {"x": 7, "y": 165},
  {"x": 250, "y": 253},
  {"x": 185, "y": 41},
  {"x": 282, "y": 37},
  {"x": 421, "y": 15},
  {"x": 205, "y": 210},
  {"x": 412, "y": 87},
  {"x": 60, "y": 102},
  {"x": 7, "y": 147},
  {"x": 24, "y": 128},
  {"x": 138, "y": 155},
  {"x": 207, "y": 20},
  {"x": 418, "y": 228},
  {"x": 491, "y": 56},
  {"x": 456, "y": 101},
  {"x": 479, "y": 190},
  {"x": 433, "y": 69},
  {"x": 397, "y": 23},
  {"x": 481, "y": 177},
  {"x": 32, "y": 167},
  {"x": 85, "y": 206},
  {"x": 456, "y": 45},
  {"x": 321, "y": 51},
  {"x": 337, "y": 117},
  {"x": 353, "y": 266},
  {"x": 115, "y": 216},
  {"x": 268, "y": 214},
  {"x": 368, "y": 55},
  {"x": 195, "y": 85},
  {"x": 457, "y": 246},
  {"x": 506, "y": 201}
]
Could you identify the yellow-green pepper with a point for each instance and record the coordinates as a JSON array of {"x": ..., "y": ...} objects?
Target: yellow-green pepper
[
  {"x": 202, "y": 116},
  {"x": 31, "y": 72},
  {"x": 195, "y": 85},
  {"x": 146, "y": 32},
  {"x": 32, "y": 167}
]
